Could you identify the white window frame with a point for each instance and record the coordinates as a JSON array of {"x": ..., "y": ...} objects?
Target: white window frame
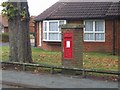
[
  {"x": 94, "y": 31},
  {"x": 48, "y": 31},
  {"x": 40, "y": 36},
  {"x": 1, "y": 28}
]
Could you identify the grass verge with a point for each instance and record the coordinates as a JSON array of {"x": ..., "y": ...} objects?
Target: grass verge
[{"x": 91, "y": 60}]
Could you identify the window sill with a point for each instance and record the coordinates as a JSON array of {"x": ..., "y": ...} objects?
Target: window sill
[
  {"x": 51, "y": 40},
  {"x": 94, "y": 41}
]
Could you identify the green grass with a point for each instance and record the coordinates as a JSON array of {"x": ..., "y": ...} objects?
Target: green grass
[
  {"x": 46, "y": 57},
  {"x": 101, "y": 61},
  {"x": 92, "y": 60},
  {"x": 5, "y": 53}
]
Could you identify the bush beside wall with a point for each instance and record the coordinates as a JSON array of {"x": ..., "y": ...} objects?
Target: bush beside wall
[{"x": 4, "y": 37}]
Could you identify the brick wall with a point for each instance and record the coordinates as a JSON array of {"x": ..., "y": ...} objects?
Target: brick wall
[
  {"x": 106, "y": 46},
  {"x": 101, "y": 46},
  {"x": 31, "y": 24},
  {"x": 117, "y": 38},
  {"x": 74, "y": 56},
  {"x": 51, "y": 46},
  {"x": 31, "y": 28}
]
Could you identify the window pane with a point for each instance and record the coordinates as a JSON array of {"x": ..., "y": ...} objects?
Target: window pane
[
  {"x": 45, "y": 36},
  {"x": 53, "y": 36},
  {"x": 45, "y": 26},
  {"x": 99, "y": 36},
  {"x": 53, "y": 26},
  {"x": 89, "y": 36},
  {"x": 60, "y": 36},
  {"x": 99, "y": 26},
  {"x": 88, "y": 26}
]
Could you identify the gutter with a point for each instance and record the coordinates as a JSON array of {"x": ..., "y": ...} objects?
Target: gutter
[
  {"x": 35, "y": 29},
  {"x": 113, "y": 36}
]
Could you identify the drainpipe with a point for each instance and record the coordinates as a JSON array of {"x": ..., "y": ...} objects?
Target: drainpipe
[
  {"x": 113, "y": 51},
  {"x": 35, "y": 30}
]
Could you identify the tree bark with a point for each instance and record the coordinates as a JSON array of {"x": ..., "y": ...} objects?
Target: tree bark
[{"x": 20, "y": 47}]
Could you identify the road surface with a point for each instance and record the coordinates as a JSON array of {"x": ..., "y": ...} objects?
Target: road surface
[{"x": 53, "y": 81}]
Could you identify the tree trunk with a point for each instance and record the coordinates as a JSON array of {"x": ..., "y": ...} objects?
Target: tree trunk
[{"x": 20, "y": 47}]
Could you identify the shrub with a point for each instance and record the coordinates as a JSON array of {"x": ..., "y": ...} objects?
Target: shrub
[{"x": 4, "y": 37}]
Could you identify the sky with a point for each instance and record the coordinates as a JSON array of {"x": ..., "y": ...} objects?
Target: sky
[{"x": 37, "y": 6}]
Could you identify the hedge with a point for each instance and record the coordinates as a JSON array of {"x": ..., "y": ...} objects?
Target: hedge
[{"x": 4, "y": 37}]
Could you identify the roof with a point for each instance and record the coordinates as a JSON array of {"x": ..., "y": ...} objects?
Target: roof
[
  {"x": 4, "y": 21},
  {"x": 80, "y": 10}
]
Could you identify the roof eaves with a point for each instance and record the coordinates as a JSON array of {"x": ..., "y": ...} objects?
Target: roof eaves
[{"x": 56, "y": 6}]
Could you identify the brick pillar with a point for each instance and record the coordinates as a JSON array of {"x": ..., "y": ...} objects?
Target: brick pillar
[{"x": 72, "y": 46}]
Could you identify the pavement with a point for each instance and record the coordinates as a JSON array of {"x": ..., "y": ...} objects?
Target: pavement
[
  {"x": 7, "y": 44},
  {"x": 42, "y": 80},
  {"x": 4, "y": 44}
]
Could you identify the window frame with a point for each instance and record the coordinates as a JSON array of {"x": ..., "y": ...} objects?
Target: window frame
[
  {"x": 94, "y": 31},
  {"x": 52, "y": 32}
]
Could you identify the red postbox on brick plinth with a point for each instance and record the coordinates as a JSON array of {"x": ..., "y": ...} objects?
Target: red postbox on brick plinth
[{"x": 72, "y": 46}]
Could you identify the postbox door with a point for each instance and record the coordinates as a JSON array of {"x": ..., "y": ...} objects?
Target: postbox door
[{"x": 68, "y": 46}]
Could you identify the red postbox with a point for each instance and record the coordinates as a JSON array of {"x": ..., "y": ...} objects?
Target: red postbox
[{"x": 67, "y": 39}]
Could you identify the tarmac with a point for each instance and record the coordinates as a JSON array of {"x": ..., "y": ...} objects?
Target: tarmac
[
  {"x": 4, "y": 44},
  {"x": 44, "y": 80}
]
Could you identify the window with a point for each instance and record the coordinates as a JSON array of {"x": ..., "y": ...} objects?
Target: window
[
  {"x": 1, "y": 28},
  {"x": 94, "y": 30},
  {"x": 51, "y": 30}
]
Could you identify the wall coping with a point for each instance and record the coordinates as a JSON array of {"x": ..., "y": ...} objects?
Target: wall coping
[{"x": 72, "y": 26}]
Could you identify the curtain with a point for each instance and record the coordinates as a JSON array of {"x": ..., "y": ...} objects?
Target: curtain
[
  {"x": 53, "y": 26},
  {"x": 88, "y": 25}
]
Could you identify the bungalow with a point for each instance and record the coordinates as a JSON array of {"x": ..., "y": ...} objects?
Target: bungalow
[
  {"x": 3, "y": 24},
  {"x": 100, "y": 17},
  {"x": 31, "y": 24}
]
